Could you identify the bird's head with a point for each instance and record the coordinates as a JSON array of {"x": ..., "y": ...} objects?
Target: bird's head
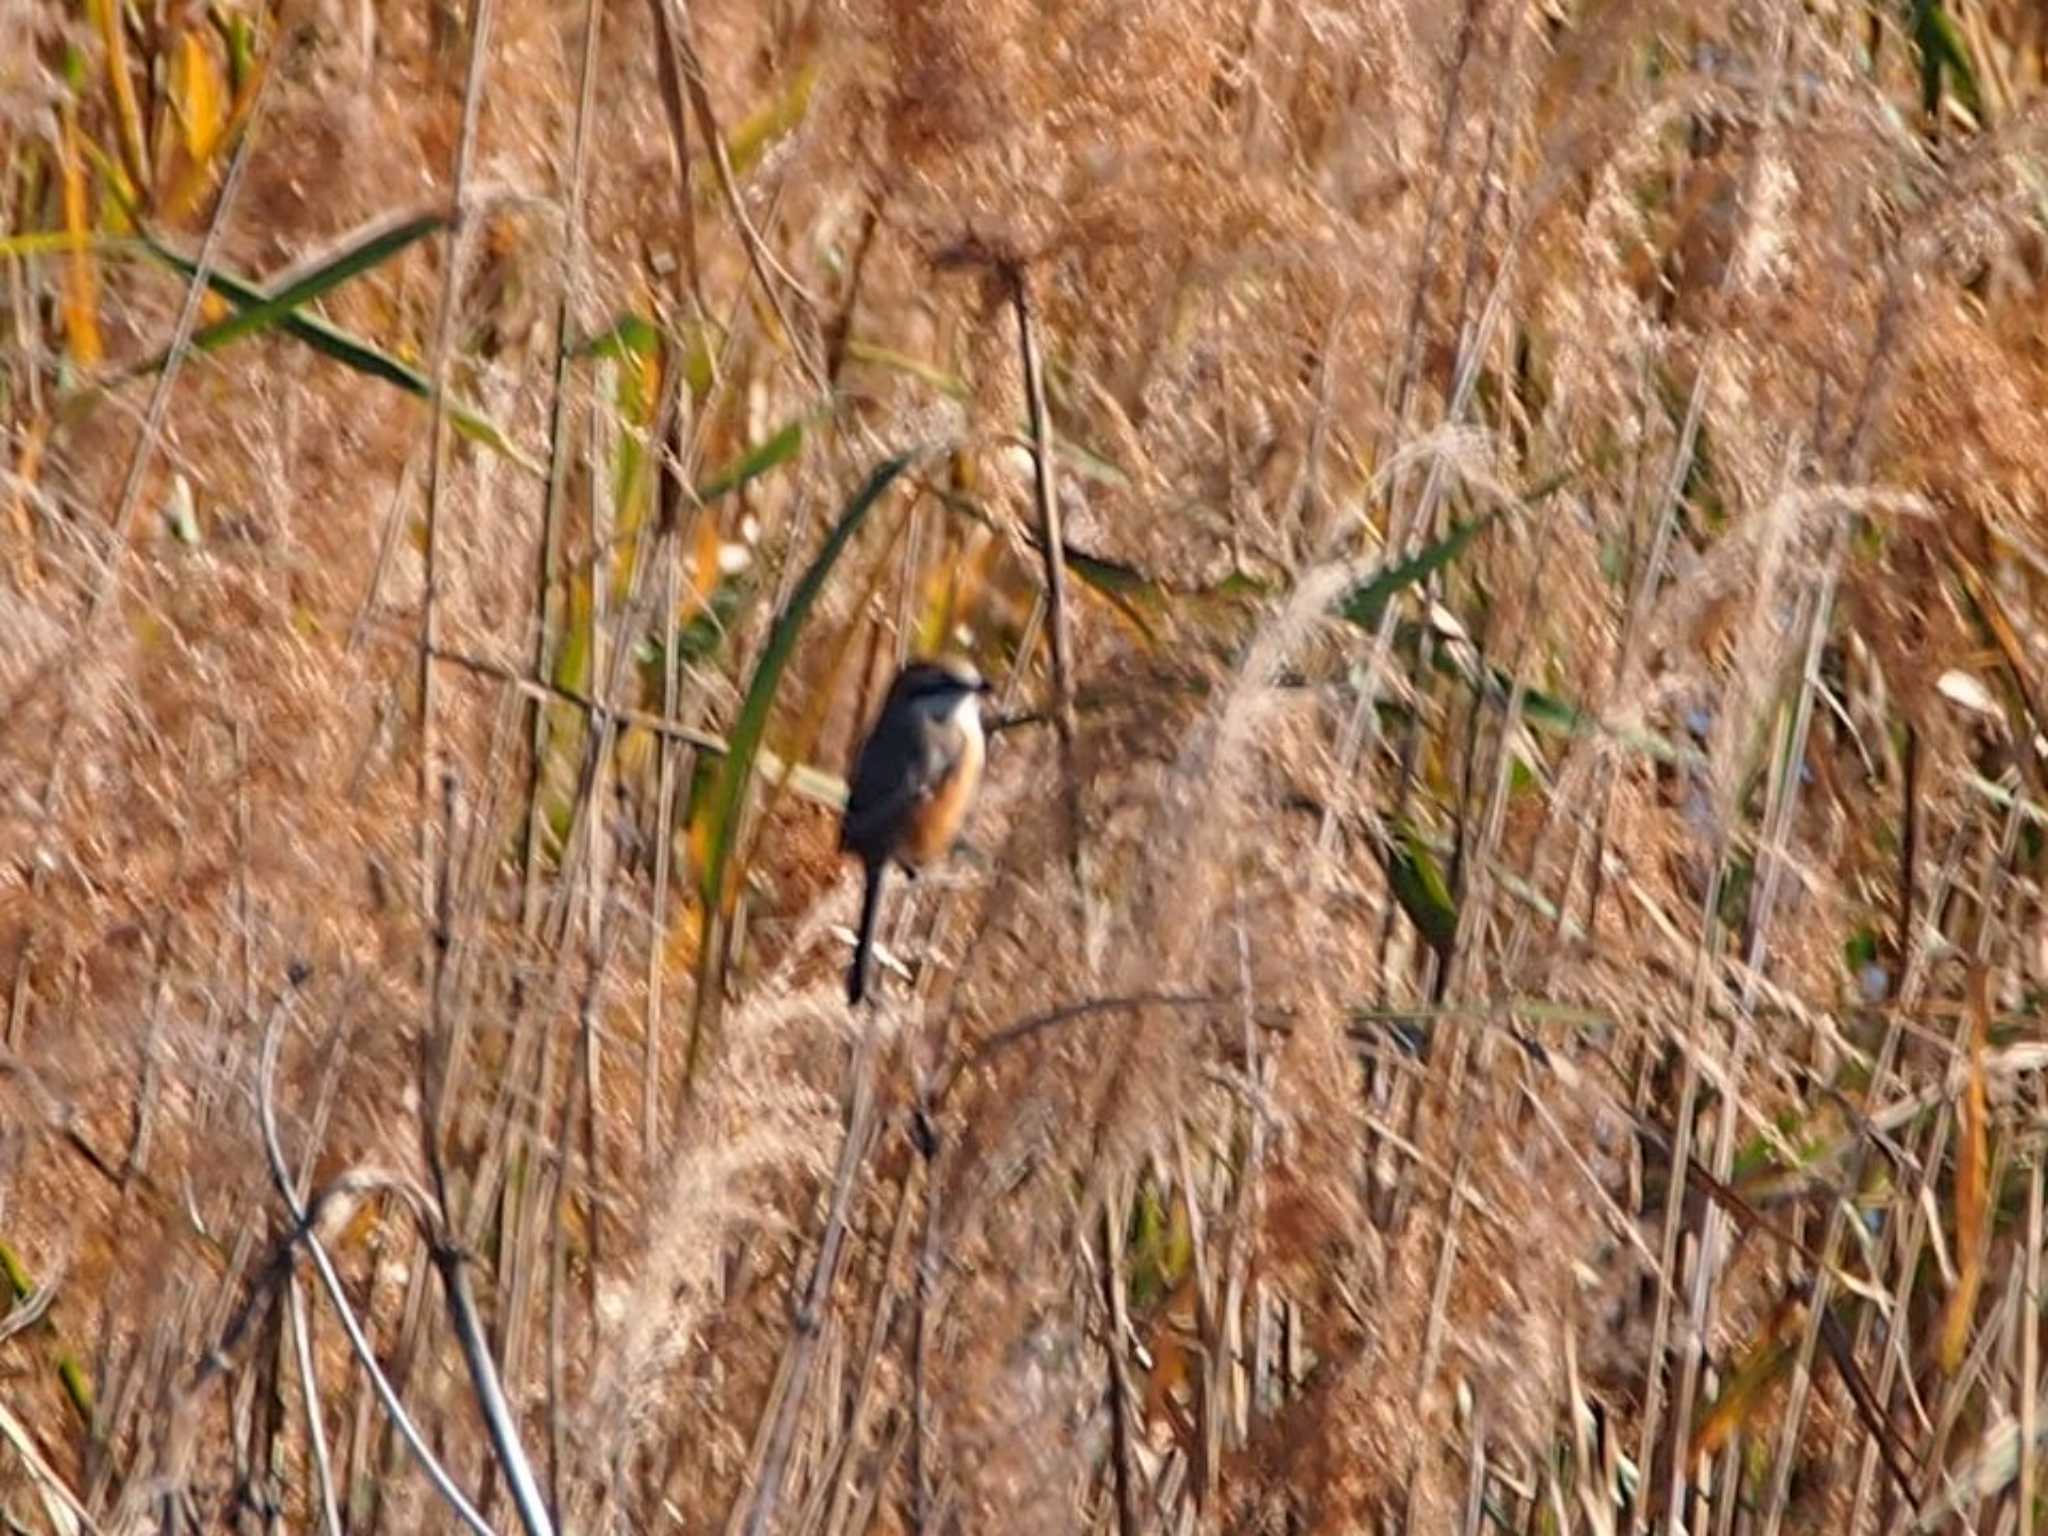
[{"x": 943, "y": 685}]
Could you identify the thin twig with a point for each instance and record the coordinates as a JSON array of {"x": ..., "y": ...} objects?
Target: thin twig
[
  {"x": 1123, "y": 1432},
  {"x": 758, "y": 255},
  {"x": 309, "y": 1392},
  {"x": 437, "y": 437},
  {"x": 303, "y": 1232},
  {"x": 558, "y": 451},
  {"x": 1052, "y": 546},
  {"x": 539, "y": 688},
  {"x": 810, "y": 1310},
  {"x": 1023, "y": 1029},
  {"x": 923, "y": 1502},
  {"x": 668, "y": 72}
]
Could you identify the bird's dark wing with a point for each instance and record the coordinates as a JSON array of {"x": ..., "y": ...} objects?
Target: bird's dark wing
[{"x": 896, "y": 769}]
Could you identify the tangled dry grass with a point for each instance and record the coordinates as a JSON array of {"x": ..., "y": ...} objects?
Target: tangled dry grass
[{"x": 1515, "y": 1007}]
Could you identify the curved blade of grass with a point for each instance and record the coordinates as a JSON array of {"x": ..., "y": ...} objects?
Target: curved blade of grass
[
  {"x": 238, "y": 33},
  {"x": 1554, "y": 716},
  {"x": 756, "y": 461},
  {"x": 1083, "y": 461},
  {"x": 744, "y": 744},
  {"x": 1136, "y": 595},
  {"x": 1364, "y": 604},
  {"x": 803, "y": 739},
  {"x": 947, "y": 384},
  {"x": 631, "y": 335},
  {"x": 379, "y": 245},
  {"x": 123, "y": 204},
  {"x": 1419, "y": 886},
  {"x": 632, "y": 332},
  {"x": 349, "y": 351},
  {"x": 16, "y": 1284},
  {"x": 1558, "y": 717},
  {"x": 1941, "y": 46},
  {"x": 1124, "y": 588}
]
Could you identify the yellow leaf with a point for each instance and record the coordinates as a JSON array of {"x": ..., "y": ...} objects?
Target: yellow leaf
[
  {"x": 81, "y": 284},
  {"x": 106, "y": 15},
  {"x": 1973, "y": 1160},
  {"x": 704, "y": 571},
  {"x": 685, "y": 936},
  {"x": 200, "y": 91},
  {"x": 194, "y": 177}
]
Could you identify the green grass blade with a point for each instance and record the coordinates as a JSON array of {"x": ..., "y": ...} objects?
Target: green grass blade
[
  {"x": 1942, "y": 48},
  {"x": 379, "y": 247},
  {"x": 728, "y": 793},
  {"x": 631, "y": 335},
  {"x": 744, "y": 744},
  {"x": 1419, "y": 886},
  {"x": 756, "y": 461},
  {"x": 1559, "y": 717},
  {"x": 1364, "y": 604},
  {"x": 331, "y": 341}
]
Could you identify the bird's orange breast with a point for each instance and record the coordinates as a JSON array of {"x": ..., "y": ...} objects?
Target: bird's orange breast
[{"x": 934, "y": 821}]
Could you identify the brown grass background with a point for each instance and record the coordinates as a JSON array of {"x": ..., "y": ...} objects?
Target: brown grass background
[{"x": 1189, "y": 1187}]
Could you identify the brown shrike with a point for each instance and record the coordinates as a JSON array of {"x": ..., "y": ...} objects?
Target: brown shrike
[{"x": 912, "y": 784}]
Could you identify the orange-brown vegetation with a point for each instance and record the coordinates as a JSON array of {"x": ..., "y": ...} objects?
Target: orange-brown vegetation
[{"x": 1534, "y": 1025}]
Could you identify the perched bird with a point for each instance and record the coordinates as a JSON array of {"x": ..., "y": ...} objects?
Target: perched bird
[{"x": 912, "y": 783}]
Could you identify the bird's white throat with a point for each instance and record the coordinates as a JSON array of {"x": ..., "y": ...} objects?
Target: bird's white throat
[{"x": 967, "y": 714}]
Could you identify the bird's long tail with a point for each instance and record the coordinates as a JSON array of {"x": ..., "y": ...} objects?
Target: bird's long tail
[{"x": 870, "y": 909}]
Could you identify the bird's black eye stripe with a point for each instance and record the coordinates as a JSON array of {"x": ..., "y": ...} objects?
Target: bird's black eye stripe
[{"x": 936, "y": 683}]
